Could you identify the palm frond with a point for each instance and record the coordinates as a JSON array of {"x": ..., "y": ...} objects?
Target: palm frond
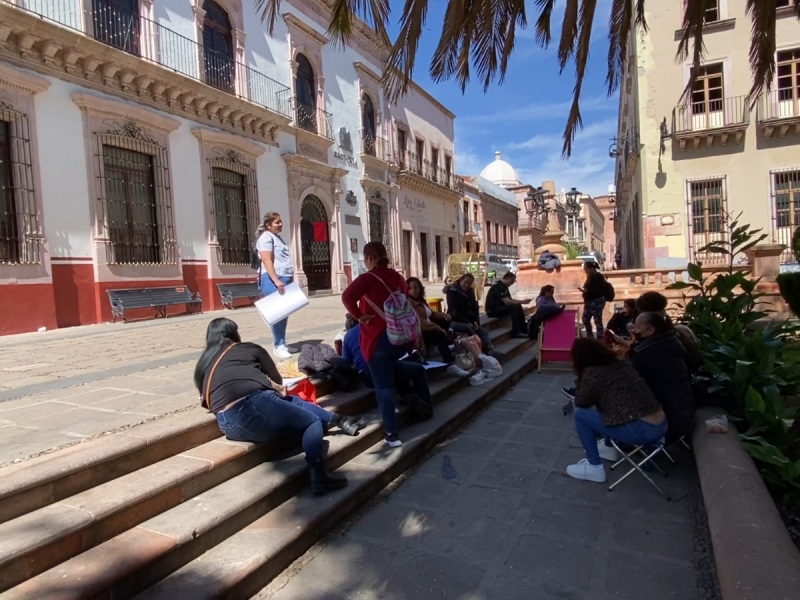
[
  {"x": 374, "y": 12},
  {"x": 797, "y": 8},
  {"x": 619, "y": 28},
  {"x": 640, "y": 18},
  {"x": 575, "y": 121},
  {"x": 543, "y": 34},
  {"x": 694, "y": 12},
  {"x": 762, "y": 44},
  {"x": 569, "y": 33},
  {"x": 400, "y": 64},
  {"x": 269, "y": 12}
]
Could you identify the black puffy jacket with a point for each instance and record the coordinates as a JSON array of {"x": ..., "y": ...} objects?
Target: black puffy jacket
[
  {"x": 661, "y": 361},
  {"x": 463, "y": 307}
]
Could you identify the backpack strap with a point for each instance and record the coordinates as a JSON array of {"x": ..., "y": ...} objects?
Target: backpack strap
[
  {"x": 207, "y": 398},
  {"x": 377, "y": 310}
]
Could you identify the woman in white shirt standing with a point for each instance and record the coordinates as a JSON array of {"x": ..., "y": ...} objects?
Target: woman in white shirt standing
[{"x": 277, "y": 271}]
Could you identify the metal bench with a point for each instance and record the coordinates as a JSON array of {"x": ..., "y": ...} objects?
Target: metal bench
[
  {"x": 158, "y": 298},
  {"x": 229, "y": 292}
]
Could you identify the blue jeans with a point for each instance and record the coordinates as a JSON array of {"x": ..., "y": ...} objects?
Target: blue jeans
[
  {"x": 589, "y": 426},
  {"x": 483, "y": 335},
  {"x": 267, "y": 288},
  {"x": 265, "y": 416},
  {"x": 409, "y": 378},
  {"x": 382, "y": 368}
]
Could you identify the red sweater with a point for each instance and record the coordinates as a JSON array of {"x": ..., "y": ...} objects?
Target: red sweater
[{"x": 367, "y": 286}]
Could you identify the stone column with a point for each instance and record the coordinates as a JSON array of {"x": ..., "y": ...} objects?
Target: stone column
[{"x": 765, "y": 260}]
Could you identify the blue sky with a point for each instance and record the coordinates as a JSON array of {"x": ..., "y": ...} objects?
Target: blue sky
[{"x": 524, "y": 118}]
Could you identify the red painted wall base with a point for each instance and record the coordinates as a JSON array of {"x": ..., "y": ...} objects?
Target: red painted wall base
[{"x": 26, "y": 307}]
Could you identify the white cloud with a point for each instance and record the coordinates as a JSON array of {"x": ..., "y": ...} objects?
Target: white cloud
[
  {"x": 605, "y": 128},
  {"x": 467, "y": 162},
  {"x": 540, "y": 111}
]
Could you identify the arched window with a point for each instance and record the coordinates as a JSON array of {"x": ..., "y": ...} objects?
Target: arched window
[
  {"x": 368, "y": 125},
  {"x": 218, "y": 47},
  {"x": 306, "y": 98}
]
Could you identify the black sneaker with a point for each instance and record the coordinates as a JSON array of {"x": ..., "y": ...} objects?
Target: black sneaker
[
  {"x": 392, "y": 440},
  {"x": 569, "y": 392}
]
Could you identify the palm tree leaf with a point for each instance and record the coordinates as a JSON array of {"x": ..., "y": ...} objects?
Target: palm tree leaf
[
  {"x": 575, "y": 121},
  {"x": 694, "y": 12},
  {"x": 569, "y": 34},
  {"x": 640, "y": 18},
  {"x": 762, "y": 44},
  {"x": 619, "y": 28},
  {"x": 543, "y": 34},
  {"x": 269, "y": 12},
  {"x": 400, "y": 64},
  {"x": 374, "y": 12}
]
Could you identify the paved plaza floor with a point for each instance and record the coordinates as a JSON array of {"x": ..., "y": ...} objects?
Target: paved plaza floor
[
  {"x": 492, "y": 516},
  {"x": 63, "y": 386}
]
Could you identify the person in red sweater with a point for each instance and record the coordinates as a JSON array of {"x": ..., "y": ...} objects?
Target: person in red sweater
[{"x": 378, "y": 352}]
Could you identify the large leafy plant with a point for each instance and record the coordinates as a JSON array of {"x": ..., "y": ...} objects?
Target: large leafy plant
[
  {"x": 748, "y": 368},
  {"x": 789, "y": 283}
]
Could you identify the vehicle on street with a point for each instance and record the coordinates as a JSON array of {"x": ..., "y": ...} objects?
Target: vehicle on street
[
  {"x": 592, "y": 256},
  {"x": 512, "y": 264}
]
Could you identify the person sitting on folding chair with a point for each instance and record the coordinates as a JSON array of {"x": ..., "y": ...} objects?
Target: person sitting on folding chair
[
  {"x": 612, "y": 401},
  {"x": 659, "y": 358},
  {"x": 546, "y": 308}
]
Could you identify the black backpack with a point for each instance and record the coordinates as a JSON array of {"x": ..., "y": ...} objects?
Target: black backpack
[
  {"x": 608, "y": 291},
  {"x": 255, "y": 258}
]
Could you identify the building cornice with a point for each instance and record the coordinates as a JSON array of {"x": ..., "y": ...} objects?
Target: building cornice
[
  {"x": 304, "y": 162},
  {"x": 293, "y": 21},
  {"x": 415, "y": 182},
  {"x": 364, "y": 70},
  {"x": 114, "y": 108},
  {"x": 21, "y": 81},
  {"x": 226, "y": 139}
]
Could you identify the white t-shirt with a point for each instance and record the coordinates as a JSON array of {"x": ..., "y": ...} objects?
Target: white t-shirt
[{"x": 281, "y": 257}]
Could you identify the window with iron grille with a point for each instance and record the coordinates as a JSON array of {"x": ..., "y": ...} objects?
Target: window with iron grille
[
  {"x": 788, "y": 78},
  {"x": 134, "y": 209},
  {"x": 20, "y": 237},
  {"x": 707, "y": 205},
  {"x": 379, "y": 224},
  {"x": 785, "y": 209},
  {"x": 712, "y": 11},
  {"x": 231, "y": 214}
]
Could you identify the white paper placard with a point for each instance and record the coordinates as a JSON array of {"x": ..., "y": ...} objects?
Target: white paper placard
[{"x": 276, "y": 307}]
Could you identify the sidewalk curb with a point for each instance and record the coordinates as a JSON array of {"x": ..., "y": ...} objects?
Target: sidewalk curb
[{"x": 756, "y": 559}]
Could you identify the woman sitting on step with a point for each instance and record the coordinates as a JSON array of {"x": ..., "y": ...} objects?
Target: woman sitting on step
[
  {"x": 236, "y": 382},
  {"x": 435, "y": 325},
  {"x": 612, "y": 401}
]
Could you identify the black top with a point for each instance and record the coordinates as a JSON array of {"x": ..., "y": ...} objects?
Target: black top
[
  {"x": 495, "y": 296},
  {"x": 619, "y": 323},
  {"x": 595, "y": 287},
  {"x": 462, "y": 307},
  {"x": 242, "y": 371}
]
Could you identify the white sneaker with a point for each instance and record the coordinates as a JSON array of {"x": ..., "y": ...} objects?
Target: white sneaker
[
  {"x": 584, "y": 470},
  {"x": 607, "y": 452},
  {"x": 457, "y": 371},
  {"x": 292, "y": 349},
  {"x": 282, "y": 352},
  {"x": 392, "y": 440}
]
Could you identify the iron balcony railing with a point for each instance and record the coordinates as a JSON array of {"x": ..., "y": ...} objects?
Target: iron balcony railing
[
  {"x": 313, "y": 119},
  {"x": 376, "y": 146},
  {"x": 132, "y": 33},
  {"x": 425, "y": 168},
  {"x": 469, "y": 227},
  {"x": 781, "y": 104},
  {"x": 710, "y": 114}
]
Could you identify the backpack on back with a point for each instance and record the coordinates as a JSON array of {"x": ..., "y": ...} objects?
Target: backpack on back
[
  {"x": 402, "y": 322},
  {"x": 255, "y": 257},
  {"x": 608, "y": 291}
]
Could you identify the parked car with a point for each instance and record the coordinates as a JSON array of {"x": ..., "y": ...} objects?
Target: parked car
[
  {"x": 493, "y": 266},
  {"x": 512, "y": 264},
  {"x": 593, "y": 256}
]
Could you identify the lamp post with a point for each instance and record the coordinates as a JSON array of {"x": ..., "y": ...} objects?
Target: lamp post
[{"x": 573, "y": 206}]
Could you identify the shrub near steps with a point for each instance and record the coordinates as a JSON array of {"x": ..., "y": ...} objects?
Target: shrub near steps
[{"x": 183, "y": 506}]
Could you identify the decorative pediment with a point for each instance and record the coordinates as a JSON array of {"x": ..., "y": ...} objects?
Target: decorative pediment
[{"x": 412, "y": 181}]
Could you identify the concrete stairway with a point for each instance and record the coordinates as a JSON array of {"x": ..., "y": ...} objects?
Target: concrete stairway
[{"x": 171, "y": 509}]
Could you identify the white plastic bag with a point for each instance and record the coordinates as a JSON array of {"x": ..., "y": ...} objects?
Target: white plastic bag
[
  {"x": 478, "y": 378},
  {"x": 717, "y": 424},
  {"x": 490, "y": 366}
]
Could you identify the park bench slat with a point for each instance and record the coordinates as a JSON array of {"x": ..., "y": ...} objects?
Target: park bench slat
[
  {"x": 157, "y": 298},
  {"x": 229, "y": 292}
]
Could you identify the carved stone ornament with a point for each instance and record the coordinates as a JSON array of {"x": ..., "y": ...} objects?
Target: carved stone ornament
[
  {"x": 351, "y": 198},
  {"x": 231, "y": 156},
  {"x": 131, "y": 130},
  {"x": 345, "y": 142}
]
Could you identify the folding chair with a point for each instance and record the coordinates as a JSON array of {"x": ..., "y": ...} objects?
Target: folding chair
[
  {"x": 649, "y": 454},
  {"x": 555, "y": 338}
]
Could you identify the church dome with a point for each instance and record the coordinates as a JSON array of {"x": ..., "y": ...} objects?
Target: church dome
[{"x": 500, "y": 172}]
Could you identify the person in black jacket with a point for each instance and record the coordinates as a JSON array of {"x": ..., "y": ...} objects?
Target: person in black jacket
[
  {"x": 463, "y": 308},
  {"x": 594, "y": 299},
  {"x": 659, "y": 358},
  {"x": 499, "y": 303},
  {"x": 620, "y": 321}
]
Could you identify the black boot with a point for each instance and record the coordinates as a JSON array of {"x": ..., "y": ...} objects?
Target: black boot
[
  {"x": 321, "y": 480},
  {"x": 349, "y": 425}
]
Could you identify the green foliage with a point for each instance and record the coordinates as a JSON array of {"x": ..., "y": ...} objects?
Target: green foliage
[
  {"x": 789, "y": 285},
  {"x": 796, "y": 244},
  {"x": 750, "y": 369},
  {"x": 572, "y": 250}
]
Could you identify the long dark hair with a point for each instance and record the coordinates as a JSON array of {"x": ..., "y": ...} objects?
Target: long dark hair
[
  {"x": 220, "y": 334},
  {"x": 589, "y": 352},
  {"x": 545, "y": 289},
  {"x": 416, "y": 280},
  {"x": 377, "y": 252}
]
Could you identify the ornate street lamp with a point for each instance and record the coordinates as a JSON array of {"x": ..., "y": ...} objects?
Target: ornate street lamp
[
  {"x": 573, "y": 206},
  {"x": 535, "y": 203}
]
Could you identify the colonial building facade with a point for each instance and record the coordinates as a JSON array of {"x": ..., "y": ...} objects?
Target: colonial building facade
[
  {"x": 142, "y": 144},
  {"x": 685, "y": 161},
  {"x": 489, "y": 217}
]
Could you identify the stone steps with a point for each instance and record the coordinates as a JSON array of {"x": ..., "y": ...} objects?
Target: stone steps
[{"x": 127, "y": 533}]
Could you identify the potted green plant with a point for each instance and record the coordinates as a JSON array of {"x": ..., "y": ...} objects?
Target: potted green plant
[{"x": 789, "y": 283}]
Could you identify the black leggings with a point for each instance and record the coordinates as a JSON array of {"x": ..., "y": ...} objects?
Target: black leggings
[
  {"x": 515, "y": 311},
  {"x": 440, "y": 341}
]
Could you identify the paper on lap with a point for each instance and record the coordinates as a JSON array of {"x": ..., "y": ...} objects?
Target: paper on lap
[{"x": 276, "y": 307}]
